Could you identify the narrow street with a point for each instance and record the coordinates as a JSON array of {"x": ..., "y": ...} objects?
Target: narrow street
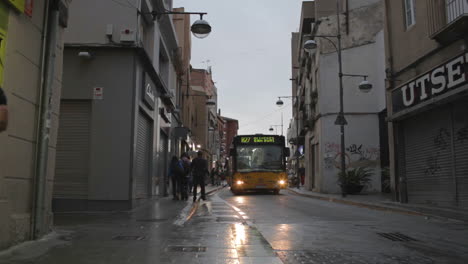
[{"x": 252, "y": 228}]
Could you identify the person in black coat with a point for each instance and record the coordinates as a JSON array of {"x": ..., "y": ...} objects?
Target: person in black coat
[
  {"x": 199, "y": 170},
  {"x": 3, "y": 111},
  {"x": 175, "y": 174}
]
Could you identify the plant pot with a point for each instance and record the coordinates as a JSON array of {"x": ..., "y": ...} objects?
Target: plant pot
[{"x": 354, "y": 188}]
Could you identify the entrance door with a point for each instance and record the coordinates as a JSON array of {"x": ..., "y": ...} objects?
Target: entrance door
[
  {"x": 163, "y": 160},
  {"x": 460, "y": 119},
  {"x": 428, "y": 149},
  {"x": 143, "y": 155},
  {"x": 72, "y": 168}
]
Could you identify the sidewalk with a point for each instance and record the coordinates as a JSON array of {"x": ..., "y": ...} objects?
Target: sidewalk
[
  {"x": 116, "y": 237},
  {"x": 383, "y": 202}
]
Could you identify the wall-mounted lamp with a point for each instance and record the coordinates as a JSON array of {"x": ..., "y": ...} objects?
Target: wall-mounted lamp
[{"x": 85, "y": 55}]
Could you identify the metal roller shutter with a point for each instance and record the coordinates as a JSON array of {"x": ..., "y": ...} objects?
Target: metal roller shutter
[
  {"x": 428, "y": 158},
  {"x": 460, "y": 118},
  {"x": 163, "y": 154},
  {"x": 143, "y": 155},
  {"x": 72, "y": 161}
]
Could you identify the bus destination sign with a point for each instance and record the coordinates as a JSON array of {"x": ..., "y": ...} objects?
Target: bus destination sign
[{"x": 247, "y": 140}]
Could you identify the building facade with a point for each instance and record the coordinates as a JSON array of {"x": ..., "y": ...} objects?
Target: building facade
[
  {"x": 31, "y": 46},
  {"x": 316, "y": 102},
  {"x": 230, "y": 131},
  {"x": 427, "y": 72},
  {"x": 204, "y": 117},
  {"x": 185, "y": 104},
  {"x": 117, "y": 124}
]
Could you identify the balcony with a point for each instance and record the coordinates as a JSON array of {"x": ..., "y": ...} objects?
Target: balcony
[{"x": 448, "y": 20}]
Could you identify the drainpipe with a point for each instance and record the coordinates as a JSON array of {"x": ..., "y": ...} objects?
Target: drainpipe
[
  {"x": 49, "y": 44},
  {"x": 399, "y": 182}
]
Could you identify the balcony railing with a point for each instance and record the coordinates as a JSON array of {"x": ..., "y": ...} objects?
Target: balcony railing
[
  {"x": 448, "y": 19},
  {"x": 456, "y": 9}
]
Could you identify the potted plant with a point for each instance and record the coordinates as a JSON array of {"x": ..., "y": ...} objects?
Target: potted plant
[{"x": 355, "y": 179}]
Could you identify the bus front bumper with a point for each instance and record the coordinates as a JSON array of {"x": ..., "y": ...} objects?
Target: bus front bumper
[{"x": 241, "y": 185}]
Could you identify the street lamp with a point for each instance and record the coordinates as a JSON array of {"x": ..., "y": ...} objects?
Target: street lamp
[
  {"x": 281, "y": 103},
  {"x": 276, "y": 128},
  {"x": 200, "y": 28},
  {"x": 364, "y": 86}
]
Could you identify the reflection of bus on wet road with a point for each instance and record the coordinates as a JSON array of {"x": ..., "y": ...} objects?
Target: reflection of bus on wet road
[{"x": 258, "y": 162}]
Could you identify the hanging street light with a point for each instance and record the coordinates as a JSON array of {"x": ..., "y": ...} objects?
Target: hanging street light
[{"x": 200, "y": 28}]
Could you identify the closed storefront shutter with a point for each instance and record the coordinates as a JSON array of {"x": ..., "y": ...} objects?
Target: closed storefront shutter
[
  {"x": 460, "y": 118},
  {"x": 143, "y": 155},
  {"x": 73, "y": 142},
  {"x": 428, "y": 158},
  {"x": 163, "y": 154}
]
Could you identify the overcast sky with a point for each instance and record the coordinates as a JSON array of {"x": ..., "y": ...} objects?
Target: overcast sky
[{"x": 249, "y": 52}]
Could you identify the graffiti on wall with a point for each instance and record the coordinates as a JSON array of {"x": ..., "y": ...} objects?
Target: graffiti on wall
[
  {"x": 442, "y": 139},
  {"x": 361, "y": 153},
  {"x": 357, "y": 155},
  {"x": 432, "y": 164},
  {"x": 441, "y": 142}
]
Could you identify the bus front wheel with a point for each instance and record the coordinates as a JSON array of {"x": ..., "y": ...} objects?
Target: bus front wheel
[{"x": 276, "y": 191}]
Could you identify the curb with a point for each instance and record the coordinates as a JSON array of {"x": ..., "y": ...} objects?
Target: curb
[
  {"x": 195, "y": 204},
  {"x": 367, "y": 205}
]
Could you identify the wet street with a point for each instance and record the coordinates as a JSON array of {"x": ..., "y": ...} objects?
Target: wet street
[{"x": 252, "y": 228}]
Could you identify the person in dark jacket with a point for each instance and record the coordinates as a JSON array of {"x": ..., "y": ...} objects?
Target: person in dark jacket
[
  {"x": 185, "y": 165},
  {"x": 199, "y": 170},
  {"x": 3, "y": 111},
  {"x": 175, "y": 174}
]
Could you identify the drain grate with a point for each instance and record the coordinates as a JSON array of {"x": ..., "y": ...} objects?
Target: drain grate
[
  {"x": 185, "y": 249},
  {"x": 152, "y": 220},
  {"x": 397, "y": 237},
  {"x": 138, "y": 238}
]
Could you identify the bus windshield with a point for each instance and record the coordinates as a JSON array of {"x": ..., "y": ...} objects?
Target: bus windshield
[{"x": 259, "y": 158}]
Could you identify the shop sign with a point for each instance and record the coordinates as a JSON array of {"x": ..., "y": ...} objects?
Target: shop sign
[
  {"x": 440, "y": 80},
  {"x": 98, "y": 93},
  {"x": 17, "y": 4}
]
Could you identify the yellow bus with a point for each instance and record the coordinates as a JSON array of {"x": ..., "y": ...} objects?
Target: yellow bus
[{"x": 258, "y": 162}]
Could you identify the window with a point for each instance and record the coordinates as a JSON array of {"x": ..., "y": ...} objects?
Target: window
[
  {"x": 410, "y": 18},
  {"x": 259, "y": 158}
]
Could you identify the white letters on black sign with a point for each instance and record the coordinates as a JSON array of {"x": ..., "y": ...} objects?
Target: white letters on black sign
[{"x": 442, "y": 79}]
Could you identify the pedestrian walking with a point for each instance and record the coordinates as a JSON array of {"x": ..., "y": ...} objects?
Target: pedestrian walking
[
  {"x": 3, "y": 111},
  {"x": 199, "y": 170},
  {"x": 184, "y": 163},
  {"x": 213, "y": 175},
  {"x": 302, "y": 175},
  {"x": 176, "y": 172}
]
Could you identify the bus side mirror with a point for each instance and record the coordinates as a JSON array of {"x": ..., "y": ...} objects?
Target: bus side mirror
[
  {"x": 232, "y": 152},
  {"x": 287, "y": 152}
]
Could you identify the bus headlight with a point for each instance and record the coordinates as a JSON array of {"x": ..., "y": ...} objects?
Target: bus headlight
[
  {"x": 282, "y": 182},
  {"x": 240, "y": 182}
]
